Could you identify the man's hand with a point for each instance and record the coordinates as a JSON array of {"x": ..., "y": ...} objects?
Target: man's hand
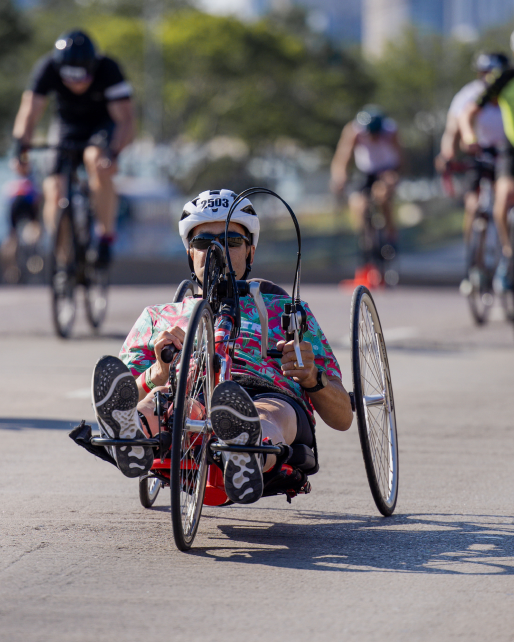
[
  {"x": 160, "y": 370},
  {"x": 307, "y": 376}
]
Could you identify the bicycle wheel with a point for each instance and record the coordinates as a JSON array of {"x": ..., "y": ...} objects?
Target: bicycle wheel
[
  {"x": 96, "y": 285},
  {"x": 149, "y": 488},
  {"x": 185, "y": 289},
  {"x": 507, "y": 298},
  {"x": 374, "y": 402},
  {"x": 479, "y": 292},
  {"x": 63, "y": 280},
  {"x": 191, "y": 428}
]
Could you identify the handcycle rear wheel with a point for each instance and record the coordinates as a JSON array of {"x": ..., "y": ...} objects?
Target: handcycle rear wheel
[
  {"x": 149, "y": 488},
  {"x": 374, "y": 402},
  {"x": 195, "y": 384},
  {"x": 63, "y": 274},
  {"x": 185, "y": 289}
]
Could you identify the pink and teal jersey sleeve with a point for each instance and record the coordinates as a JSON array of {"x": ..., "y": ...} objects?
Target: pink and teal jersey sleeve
[{"x": 138, "y": 350}]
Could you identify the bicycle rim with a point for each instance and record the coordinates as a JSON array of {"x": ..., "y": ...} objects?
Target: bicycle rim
[
  {"x": 374, "y": 402},
  {"x": 63, "y": 276},
  {"x": 189, "y": 464}
]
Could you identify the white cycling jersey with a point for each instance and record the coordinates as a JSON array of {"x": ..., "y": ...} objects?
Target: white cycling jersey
[
  {"x": 488, "y": 123},
  {"x": 376, "y": 154}
]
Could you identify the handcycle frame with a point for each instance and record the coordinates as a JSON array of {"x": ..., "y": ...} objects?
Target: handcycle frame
[{"x": 200, "y": 477}]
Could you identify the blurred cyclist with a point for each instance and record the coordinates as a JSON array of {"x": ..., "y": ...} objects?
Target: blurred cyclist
[
  {"x": 489, "y": 129},
  {"x": 23, "y": 199},
  {"x": 501, "y": 89},
  {"x": 372, "y": 141},
  {"x": 94, "y": 107}
]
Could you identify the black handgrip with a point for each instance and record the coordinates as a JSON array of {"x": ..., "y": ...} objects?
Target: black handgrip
[
  {"x": 275, "y": 354},
  {"x": 168, "y": 352}
]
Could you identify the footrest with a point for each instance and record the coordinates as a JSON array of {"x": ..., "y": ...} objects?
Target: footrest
[
  {"x": 102, "y": 441},
  {"x": 265, "y": 450}
]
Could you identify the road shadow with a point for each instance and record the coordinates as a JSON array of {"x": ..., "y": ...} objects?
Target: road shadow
[
  {"x": 425, "y": 543},
  {"x": 22, "y": 423}
]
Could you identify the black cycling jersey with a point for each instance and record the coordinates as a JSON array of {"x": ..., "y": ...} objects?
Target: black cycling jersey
[{"x": 87, "y": 110}]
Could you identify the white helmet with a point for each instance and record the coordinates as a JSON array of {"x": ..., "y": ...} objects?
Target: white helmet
[{"x": 214, "y": 205}]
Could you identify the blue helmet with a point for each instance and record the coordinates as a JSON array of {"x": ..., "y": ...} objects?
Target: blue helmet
[{"x": 372, "y": 118}]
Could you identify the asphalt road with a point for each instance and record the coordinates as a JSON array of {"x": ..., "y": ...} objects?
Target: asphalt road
[{"x": 81, "y": 560}]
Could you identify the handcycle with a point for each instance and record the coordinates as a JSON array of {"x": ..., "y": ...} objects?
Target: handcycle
[
  {"x": 73, "y": 255},
  {"x": 189, "y": 454}
]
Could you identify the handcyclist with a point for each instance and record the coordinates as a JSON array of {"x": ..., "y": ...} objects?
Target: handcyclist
[
  {"x": 23, "y": 199},
  {"x": 489, "y": 130},
  {"x": 500, "y": 88},
  {"x": 371, "y": 140},
  {"x": 273, "y": 399},
  {"x": 94, "y": 107}
]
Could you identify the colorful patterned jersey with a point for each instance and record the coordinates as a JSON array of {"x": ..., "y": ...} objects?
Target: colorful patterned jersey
[{"x": 138, "y": 350}]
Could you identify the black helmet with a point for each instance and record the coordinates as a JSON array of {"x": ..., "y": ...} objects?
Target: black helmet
[
  {"x": 486, "y": 62},
  {"x": 371, "y": 117},
  {"x": 75, "y": 56}
]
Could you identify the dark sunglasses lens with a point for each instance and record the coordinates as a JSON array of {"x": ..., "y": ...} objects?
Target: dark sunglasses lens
[
  {"x": 236, "y": 241},
  {"x": 201, "y": 243}
]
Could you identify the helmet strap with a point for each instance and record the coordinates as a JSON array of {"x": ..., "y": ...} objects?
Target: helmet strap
[{"x": 192, "y": 268}]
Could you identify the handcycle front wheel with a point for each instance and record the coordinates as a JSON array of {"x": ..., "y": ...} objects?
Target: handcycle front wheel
[
  {"x": 374, "y": 402},
  {"x": 63, "y": 279},
  {"x": 191, "y": 426}
]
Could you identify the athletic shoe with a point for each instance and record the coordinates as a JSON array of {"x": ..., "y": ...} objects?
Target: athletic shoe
[
  {"x": 501, "y": 280},
  {"x": 104, "y": 258},
  {"x": 235, "y": 420},
  {"x": 115, "y": 397}
]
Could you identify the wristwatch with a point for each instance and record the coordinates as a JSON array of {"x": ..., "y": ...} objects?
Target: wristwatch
[{"x": 322, "y": 382}]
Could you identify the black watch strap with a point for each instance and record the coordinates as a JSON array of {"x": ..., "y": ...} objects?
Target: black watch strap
[{"x": 320, "y": 385}]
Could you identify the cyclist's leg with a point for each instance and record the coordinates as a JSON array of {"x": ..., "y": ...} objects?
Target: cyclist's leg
[
  {"x": 54, "y": 187},
  {"x": 100, "y": 170},
  {"x": 278, "y": 422},
  {"x": 503, "y": 195},
  {"x": 383, "y": 191},
  {"x": 471, "y": 191}
]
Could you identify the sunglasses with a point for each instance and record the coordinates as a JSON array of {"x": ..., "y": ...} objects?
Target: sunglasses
[{"x": 204, "y": 241}]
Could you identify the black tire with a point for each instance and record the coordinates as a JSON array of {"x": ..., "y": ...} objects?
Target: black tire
[
  {"x": 483, "y": 254},
  {"x": 213, "y": 270},
  {"x": 507, "y": 298},
  {"x": 96, "y": 286},
  {"x": 63, "y": 280},
  {"x": 185, "y": 289},
  {"x": 188, "y": 475},
  {"x": 149, "y": 488},
  {"x": 374, "y": 402}
]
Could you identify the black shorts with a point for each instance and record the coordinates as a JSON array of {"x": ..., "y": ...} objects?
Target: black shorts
[
  {"x": 304, "y": 426},
  {"x": 99, "y": 136},
  {"x": 364, "y": 182},
  {"x": 505, "y": 161}
]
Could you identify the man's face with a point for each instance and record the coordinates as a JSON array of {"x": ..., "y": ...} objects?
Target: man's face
[{"x": 237, "y": 254}]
